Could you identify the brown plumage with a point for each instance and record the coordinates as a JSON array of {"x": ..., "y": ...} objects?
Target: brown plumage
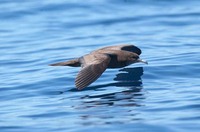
[{"x": 95, "y": 63}]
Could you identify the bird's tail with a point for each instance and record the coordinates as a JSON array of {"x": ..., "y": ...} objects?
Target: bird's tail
[{"x": 73, "y": 63}]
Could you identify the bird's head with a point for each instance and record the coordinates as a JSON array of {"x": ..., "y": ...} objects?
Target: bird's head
[{"x": 135, "y": 59}]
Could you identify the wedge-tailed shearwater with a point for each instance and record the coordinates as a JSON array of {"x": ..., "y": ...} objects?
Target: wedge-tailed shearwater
[{"x": 96, "y": 62}]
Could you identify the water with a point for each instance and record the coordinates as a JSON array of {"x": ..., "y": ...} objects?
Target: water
[{"x": 161, "y": 96}]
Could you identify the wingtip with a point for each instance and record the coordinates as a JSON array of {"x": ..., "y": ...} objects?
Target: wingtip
[
  {"x": 79, "y": 88},
  {"x": 81, "y": 84}
]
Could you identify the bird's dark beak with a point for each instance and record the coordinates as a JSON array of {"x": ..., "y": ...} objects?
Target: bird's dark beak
[{"x": 142, "y": 61}]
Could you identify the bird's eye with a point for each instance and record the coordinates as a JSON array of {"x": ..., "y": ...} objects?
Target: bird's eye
[{"x": 136, "y": 57}]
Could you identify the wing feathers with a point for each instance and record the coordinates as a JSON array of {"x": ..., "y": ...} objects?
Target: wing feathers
[
  {"x": 90, "y": 73},
  {"x": 126, "y": 47}
]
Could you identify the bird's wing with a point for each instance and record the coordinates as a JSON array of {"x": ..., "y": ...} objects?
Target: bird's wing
[
  {"x": 93, "y": 66},
  {"x": 126, "y": 47}
]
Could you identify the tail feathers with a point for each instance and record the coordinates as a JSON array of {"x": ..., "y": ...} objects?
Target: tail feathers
[
  {"x": 59, "y": 64},
  {"x": 73, "y": 63}
]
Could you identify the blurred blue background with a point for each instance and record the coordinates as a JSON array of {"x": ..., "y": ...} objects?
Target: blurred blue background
[{"x": 161, "y": 96}]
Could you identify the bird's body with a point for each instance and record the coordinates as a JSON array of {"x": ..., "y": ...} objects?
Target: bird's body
[{"x": 95, "y": 63}]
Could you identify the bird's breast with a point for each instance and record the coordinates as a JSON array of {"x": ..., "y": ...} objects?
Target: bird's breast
[{"x": 115, "y": 62}]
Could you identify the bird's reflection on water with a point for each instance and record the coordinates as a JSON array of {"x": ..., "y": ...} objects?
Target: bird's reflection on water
[
  {"x": 129, "y": 79},
  {"x": 112, "y": 103}
]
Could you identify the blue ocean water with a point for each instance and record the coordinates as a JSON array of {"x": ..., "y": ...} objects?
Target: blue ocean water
[{"x": 161, "y": 96}]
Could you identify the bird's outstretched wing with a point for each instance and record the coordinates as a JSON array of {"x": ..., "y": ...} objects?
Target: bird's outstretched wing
[
  {"x": 126, "y": 47},
  {"x": 93, "y": 65}
]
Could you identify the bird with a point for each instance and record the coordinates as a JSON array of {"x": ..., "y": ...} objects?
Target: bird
[{"x": 96, "y": 62}]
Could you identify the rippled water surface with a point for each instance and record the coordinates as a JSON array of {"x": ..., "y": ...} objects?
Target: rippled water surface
[{"x": 161, "y": 96}]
